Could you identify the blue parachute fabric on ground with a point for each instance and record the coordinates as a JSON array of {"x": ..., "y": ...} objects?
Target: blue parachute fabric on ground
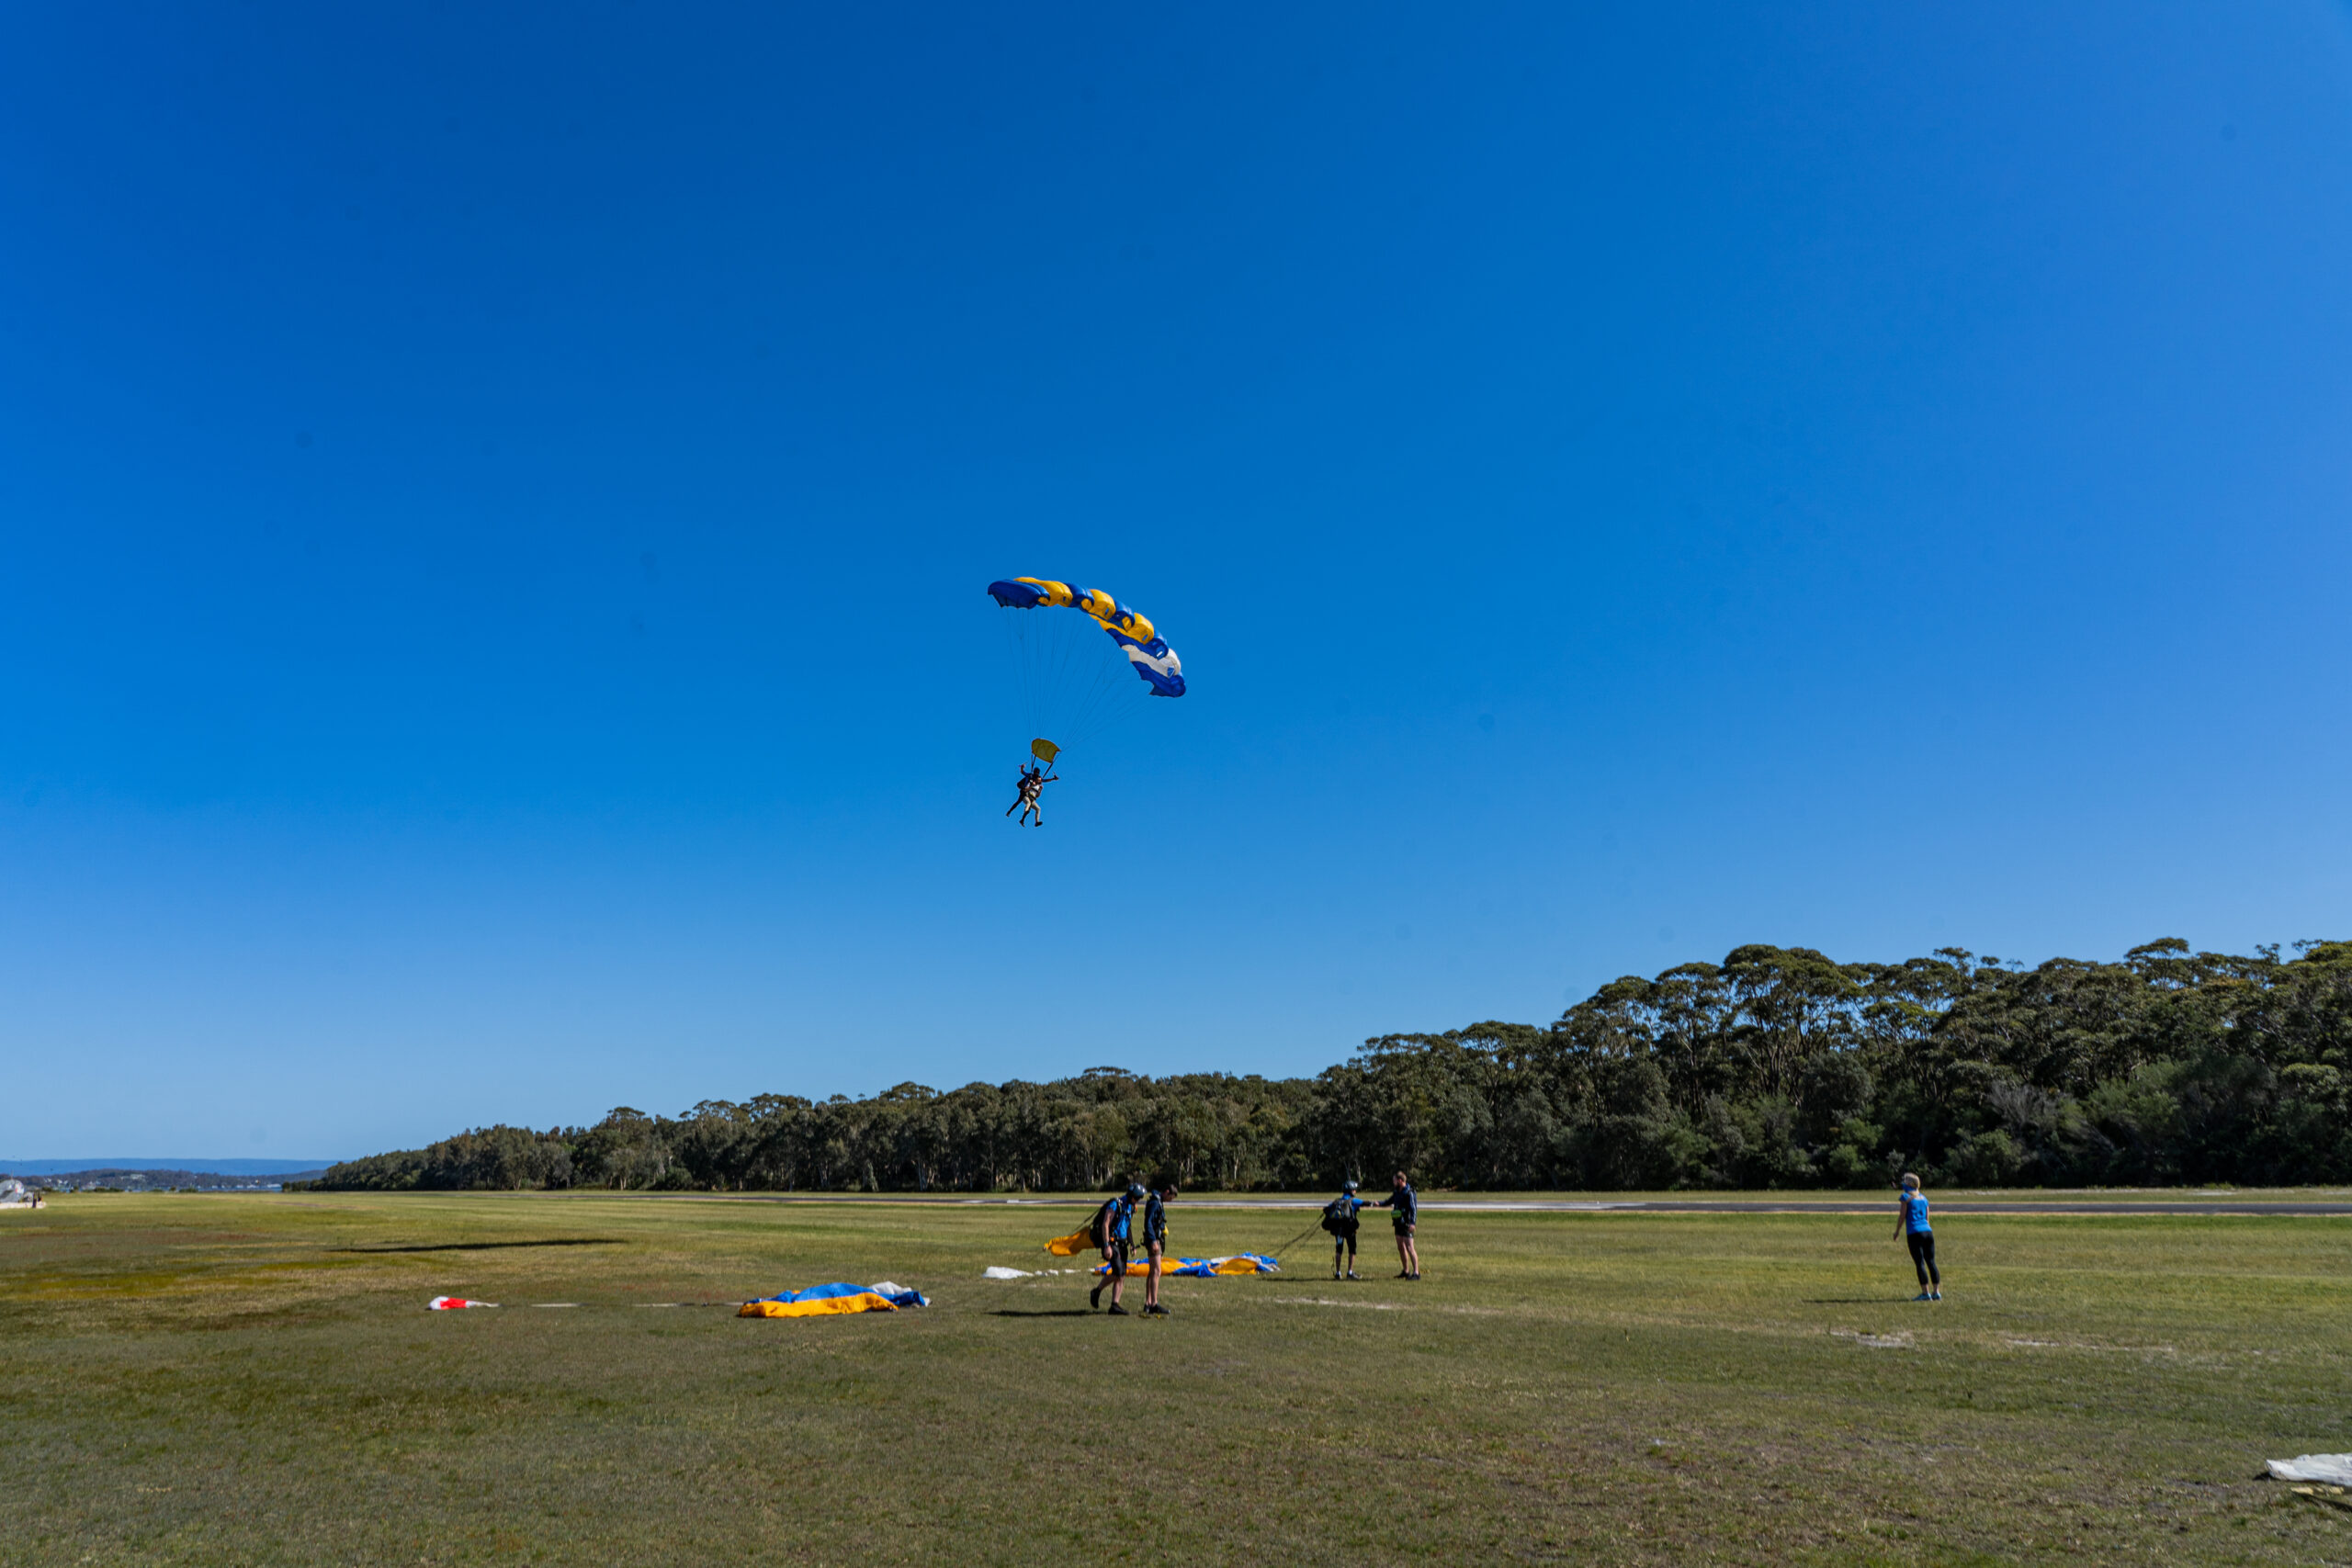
[
  {"x": 1202, "y": 1268},
  {"x": 839, "y": 1288}
]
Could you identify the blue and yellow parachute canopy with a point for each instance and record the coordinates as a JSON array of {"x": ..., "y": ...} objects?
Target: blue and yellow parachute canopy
[
  {"x": 1201, "y": 1268},
  {"x": 826, "y": 1300},
  {"x": 1137, "y": 636}
]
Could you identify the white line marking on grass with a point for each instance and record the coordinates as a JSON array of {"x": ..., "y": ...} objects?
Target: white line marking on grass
[{"x": 1326, "y": 1301}]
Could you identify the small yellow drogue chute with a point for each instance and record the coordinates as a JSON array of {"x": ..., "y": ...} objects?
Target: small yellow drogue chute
[{"x": 1044, "y": 752}]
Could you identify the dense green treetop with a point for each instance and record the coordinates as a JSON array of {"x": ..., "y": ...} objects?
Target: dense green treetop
[{"x": 1777, "y": 1068}]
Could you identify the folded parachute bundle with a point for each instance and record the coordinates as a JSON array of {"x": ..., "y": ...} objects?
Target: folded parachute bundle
[
  {"x": 825, "y": 1300},
  {"x": 1202, "y": 1268},
  {"x": 2331, "y": 1470}
]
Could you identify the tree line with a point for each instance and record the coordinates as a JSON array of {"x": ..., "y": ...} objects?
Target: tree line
[{"x": 1778, "y": 1067}]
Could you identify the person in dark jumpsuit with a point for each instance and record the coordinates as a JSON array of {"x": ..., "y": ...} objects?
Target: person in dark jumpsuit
[
  {"x": 1404, "y": 1207},
  {"x": 1155, "y": 1240}
]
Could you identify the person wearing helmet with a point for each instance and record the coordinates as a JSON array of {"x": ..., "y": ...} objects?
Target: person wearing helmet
[
  {"x": 1154, "y": 1239},
  {"x": 1118, "y": 1218},
  {"x": 1339, "y": 1219}
]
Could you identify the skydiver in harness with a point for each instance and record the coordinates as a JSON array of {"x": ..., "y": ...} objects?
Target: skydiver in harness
[
  {"x": 1339, "y": 1219},
  {"x": 1034, "y": 780}
]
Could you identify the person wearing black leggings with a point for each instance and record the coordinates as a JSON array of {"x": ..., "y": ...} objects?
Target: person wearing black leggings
[{"x": 1911, "y": 1224}]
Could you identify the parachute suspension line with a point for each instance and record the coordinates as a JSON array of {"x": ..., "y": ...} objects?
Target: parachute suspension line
[
  {"x": 1276, "y": 1252},
  {"x": 1072, "y": 687},
  {"x": 1075, "y": 678}
]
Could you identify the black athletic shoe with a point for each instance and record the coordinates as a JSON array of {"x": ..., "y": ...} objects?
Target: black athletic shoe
[
  {"x": 1094, "y": 1297},
  {"x": 1353, "y": 1274},
  {"x": 1118, "y": 1311},
  {"x": 1402, "y": 1275}
]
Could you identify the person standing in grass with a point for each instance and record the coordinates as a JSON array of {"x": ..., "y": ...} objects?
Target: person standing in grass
[
  {"x": 1339, "y": 1219},
  {"x": 1154, "y": 1239},
  {"x": 1117, "y": 1224},
  {"x": 1404, "y": 1208},
  {"x": 1911, "y": 1225}
]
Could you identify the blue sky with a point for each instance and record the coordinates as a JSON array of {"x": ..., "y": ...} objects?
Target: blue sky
[{"x": 497, "y": 500}]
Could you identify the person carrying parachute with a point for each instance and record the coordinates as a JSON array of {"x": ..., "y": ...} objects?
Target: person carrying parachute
[
  {"x": 1114, "y": 1229},
  {"x": 1070, "y": 684},
  {"x": 1339, "y": 1219}
]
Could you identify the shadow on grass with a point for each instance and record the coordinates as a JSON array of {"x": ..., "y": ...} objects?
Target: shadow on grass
[
  {"x": 1055, "y": 1312},
  {"x": 1857, "y": 1301},
  {"x": 491, "y": 1246}
]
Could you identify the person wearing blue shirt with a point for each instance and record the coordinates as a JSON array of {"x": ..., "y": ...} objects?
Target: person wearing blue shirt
[
  {"x": 1118, "y": 1230},
  {"x": 1404, "y": 1209},
  {"x": 1339, "y": 1219},
  {"x": 1911, "y": 1225},
  {"x": 1154, "y": 1239}
]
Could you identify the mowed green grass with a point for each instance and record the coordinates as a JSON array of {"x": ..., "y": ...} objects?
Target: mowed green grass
[{"x": 253, "y": 1380}]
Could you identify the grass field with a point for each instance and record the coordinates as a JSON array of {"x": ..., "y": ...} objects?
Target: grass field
[{"x": 253, "y": 1379}]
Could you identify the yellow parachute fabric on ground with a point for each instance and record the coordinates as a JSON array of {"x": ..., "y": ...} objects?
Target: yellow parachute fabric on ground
[
  {"x": 1070, "y": 1245},
  {"x": 828, "y": 1307},
  {"x": 1242, "y": 1263}
]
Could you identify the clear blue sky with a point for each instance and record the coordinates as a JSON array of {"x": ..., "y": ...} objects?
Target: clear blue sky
[{"x": 497, "y": 500}]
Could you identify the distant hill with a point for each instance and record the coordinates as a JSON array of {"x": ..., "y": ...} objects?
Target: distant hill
[
  {"x": 164, "y": 1164},
  {"x": 152, "y": 1178}
]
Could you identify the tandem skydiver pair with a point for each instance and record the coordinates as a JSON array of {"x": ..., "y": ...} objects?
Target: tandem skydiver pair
[{"x": 1070, "y": 684}]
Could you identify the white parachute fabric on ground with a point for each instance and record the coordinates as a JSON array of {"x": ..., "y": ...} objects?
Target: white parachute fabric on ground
[
  {"x": 999, "y": 1271},
  {"x": 2329, "y": 1470}
]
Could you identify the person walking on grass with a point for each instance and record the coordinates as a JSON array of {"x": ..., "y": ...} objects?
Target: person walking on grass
[
  {"x": 1115, "y": 1223},
  {"x": 1911, "y": 1225},
  {"x": 1404, "y": 1207},
  {"x": 1339, "y": 1219},
  {"x": 1154, "y": 1239}
]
